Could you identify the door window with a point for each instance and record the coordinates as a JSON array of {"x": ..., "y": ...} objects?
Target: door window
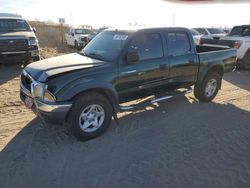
[
  {"x": 178, "y": 43},
  {"x": 148, "y": 46}
]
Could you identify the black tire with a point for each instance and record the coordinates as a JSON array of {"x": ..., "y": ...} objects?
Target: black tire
[
  {"x": 25, "y": 63},
  {"x": 36, "y": 58},
  {"x": 82, "y": 102},
  {"x": 76, "y": 45},
  {"x": 246, "y": 61},
  {"x": 200, "y": 89}
]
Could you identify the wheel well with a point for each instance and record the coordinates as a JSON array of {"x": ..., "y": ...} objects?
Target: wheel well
[
  {"x": 106, "y": 94},
  {"x": 101, "y": 91},
  {"x": 218, "y": 69}
]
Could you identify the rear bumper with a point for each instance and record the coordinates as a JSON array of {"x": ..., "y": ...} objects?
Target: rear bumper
[
  {"x": 19, "y": 56},
  {"x": 54, "y": 113}
]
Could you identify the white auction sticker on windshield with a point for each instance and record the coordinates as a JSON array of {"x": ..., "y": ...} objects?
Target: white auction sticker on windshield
[{"x": 120, "y": 37}]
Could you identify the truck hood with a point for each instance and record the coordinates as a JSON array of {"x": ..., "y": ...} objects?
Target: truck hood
[
  {"x": 43, "y": 69},
  {"x": 18, "y": 34}
]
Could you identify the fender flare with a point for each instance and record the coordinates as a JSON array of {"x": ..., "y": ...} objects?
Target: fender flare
[
  {"x": 218, "y": 67},
  {"x": 106, "y": 89}
]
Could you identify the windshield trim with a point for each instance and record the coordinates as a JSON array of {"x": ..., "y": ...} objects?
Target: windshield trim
[{"x": 112, "y": 58}]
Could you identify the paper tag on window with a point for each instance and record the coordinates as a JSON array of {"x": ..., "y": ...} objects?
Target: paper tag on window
[{"x": 120, "y": 37}]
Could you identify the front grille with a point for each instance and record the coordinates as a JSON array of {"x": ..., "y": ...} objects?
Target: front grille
[
  {"x": 13, "y": 45},
  {"x": 26, "y": 82}
]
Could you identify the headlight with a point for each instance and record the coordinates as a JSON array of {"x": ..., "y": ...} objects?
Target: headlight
[
  {"x": 33, "y": 41},
  {"x": 40, "y": 91}
]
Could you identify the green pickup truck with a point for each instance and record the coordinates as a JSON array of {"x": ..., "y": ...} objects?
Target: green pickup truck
[{"x": 86, "y": 89}]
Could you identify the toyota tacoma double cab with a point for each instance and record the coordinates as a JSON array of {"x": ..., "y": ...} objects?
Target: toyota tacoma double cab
[
  {"x": 86, "y": 89},
  {"x": 18, "y": 42}
]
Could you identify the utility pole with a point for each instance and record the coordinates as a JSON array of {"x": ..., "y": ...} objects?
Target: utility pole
[{"x": 61, "y": 21}]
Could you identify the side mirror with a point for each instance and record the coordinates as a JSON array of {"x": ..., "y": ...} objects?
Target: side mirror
[
  {"x": 34, "y": 29},
  {"x": 72, "y": 34},
  {"x": 132, "y": 57}
]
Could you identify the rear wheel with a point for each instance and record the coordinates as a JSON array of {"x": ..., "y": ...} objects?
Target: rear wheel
[
  {"x": 208, "y": 89},
  {"x": 76, "y": 45},
  {"x": 90, "y": 116},
  {"x": 246, "y": 61}
]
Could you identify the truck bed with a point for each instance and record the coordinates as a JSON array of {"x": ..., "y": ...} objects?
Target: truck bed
[
  {"x": 209, "y": 54},
  {"x": 210, "y": 48}
]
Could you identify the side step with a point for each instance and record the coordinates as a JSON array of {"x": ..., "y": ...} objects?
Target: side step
[{"x": 153, "y": 100}]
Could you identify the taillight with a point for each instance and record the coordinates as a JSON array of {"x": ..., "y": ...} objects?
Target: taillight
[{"x": 237, "y": 44}]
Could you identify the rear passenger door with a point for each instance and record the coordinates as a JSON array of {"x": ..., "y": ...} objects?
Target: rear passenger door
[{"x": 183, "y": 58}]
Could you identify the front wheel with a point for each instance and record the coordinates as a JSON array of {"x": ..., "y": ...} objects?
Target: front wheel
[
  {"x": 90, "y": 116},
  {"x": 208, "y": 89},
  {"x": 36, "y": 58}
]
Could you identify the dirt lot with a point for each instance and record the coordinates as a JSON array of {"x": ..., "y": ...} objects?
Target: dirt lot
[{"x": 177, "y": 143}]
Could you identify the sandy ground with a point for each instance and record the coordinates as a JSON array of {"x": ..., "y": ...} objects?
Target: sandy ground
[{"x": 177, "y": 143}]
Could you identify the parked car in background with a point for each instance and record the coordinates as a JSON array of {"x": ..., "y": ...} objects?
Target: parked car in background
[
  {"x": 239, "y": 38},
  {"x": 226, "y": 31},
  {"x": 79, "y": 37},
  {"x": 86, "y": 89},
  {"x": 196, "y": 36},
  {"x": 18, "y": 42},
  {"x": 210, "y": 34}
]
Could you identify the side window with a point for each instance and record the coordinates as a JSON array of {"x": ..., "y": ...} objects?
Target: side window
[
  {"x": 148, "y": 46},
  {"x": 178, "y": 43},
  {"x": 202, "y": 31},
  {"x": 246, "y": 32},
  {"x": 84, "y": 31}
]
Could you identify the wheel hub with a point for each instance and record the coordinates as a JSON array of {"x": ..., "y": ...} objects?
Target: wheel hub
[
  {"x": 91, "y": 118},
  {"x": 211, "y": 87}
]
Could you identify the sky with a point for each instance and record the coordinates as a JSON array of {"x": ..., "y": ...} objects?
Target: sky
[{"x": 122, "y": 12}]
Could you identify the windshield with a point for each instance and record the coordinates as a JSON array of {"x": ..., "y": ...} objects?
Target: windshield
[
  {"x": 215, "y": 31},
  {"x": 83, "y": 31},
  {"x": 13, "y": 25},
  {"x": 240, "y": 31},
  {"x": 106, "y": 45}
]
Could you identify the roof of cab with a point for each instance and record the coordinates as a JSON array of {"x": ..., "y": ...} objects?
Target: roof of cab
[
  {"x": 8, "y": 15},
  {"x": 135, "y": 29}
]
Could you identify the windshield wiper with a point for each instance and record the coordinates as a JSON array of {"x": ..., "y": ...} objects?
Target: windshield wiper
[{"x": 94, "y": 55}]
